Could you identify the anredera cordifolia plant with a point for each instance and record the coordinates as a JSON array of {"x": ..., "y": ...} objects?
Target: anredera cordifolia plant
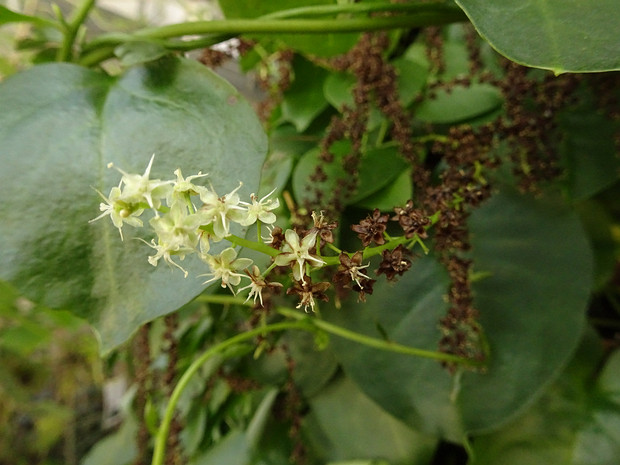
[{"x": 399, "y": 251}]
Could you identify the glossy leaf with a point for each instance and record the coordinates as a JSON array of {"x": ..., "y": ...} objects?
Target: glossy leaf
[
  {"x": 539, "y": 266},
  {"x": 559, "y": 35},
  {"x": 60, "y": 126}
]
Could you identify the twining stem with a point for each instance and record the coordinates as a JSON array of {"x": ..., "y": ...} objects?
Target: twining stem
[
  {"x": 72, "y": 28},
  {"x": 159, "y": 451}
]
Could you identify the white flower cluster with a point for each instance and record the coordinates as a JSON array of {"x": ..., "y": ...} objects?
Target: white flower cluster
[{"x": 181, "y": 227}]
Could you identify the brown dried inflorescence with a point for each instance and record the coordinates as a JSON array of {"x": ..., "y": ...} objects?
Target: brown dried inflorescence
[
  {"x": 350, "y": 276},
  {"x": 394, "y": 263},
  {"x": 308, "y": 292},
  {"x": 323, "y": 228},
  {"x": 412, "y": 220},
  {"x": 372, "y": 228},
  {"x": 530, "y": 124}
]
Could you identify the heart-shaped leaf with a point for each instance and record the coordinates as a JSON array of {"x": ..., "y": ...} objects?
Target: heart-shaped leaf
[{"x": 60, "y": 125}]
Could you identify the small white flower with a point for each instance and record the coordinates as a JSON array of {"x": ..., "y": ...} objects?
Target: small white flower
[
  {"x": 220, "y": 211},
  {"x": 299, "y": 253},
  {"x": 166, "y": 250},
  {"x": 178, "y": 226},
  {"x": 260, "y": 210},
  {"x": 120, "y": 211},
  {"x": 183, "y": 186},
  {"x": 138, "y": 188},
  {"x": 225, "y": 266}
]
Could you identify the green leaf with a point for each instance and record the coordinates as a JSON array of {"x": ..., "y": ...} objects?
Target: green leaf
[
  {"x": 411, "y": 78},
  {"x": 539, "y": 265},
  {"x": 396, "y": 193},
  {"x": 459, "y": 104},
  {"x": 118, "y": 448},
  {"x": 313, "y": 366},
  {"x": 10, "y": 16},
  {"x": 559, "y": 35},
  {"x": 135, "y": 53},
  {"x": 589, "y": 152},
  {"x": 378, "y": 168},
  {"x": 232, "y": 450},
  {"x": 344, "y": 424},
  {"x": 60, "y": 126},
  {"x": 304, "y": 187},
  {"x": 598, "y": 223},
  {"x": 304, "y": 101}
]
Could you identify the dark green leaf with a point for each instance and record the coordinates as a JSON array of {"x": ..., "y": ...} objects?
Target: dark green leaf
[
  {"x": 378, "y": 168},
  {"x": 539, "y": 266},
  {"x": 559, "y": 35},
  {"x": 59, "y": 127},
  {"x": 589, "y": 152},
  {"x": 598, "y": 222}
]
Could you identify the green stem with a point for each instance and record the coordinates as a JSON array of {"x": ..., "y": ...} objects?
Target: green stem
[
  {"x": 221, "y": 299},
  {"x": 361, "y": 8},
  {"x": 164, "y": 428},
  {"x": 259, "y": 247},
  {"x": 374, "y": 342},
  {"x": 371, "y": 251},
  {"x": 275, "y": 26},
  {"x": 64, "y": 53},
  {"x": 217, "y": 31}
]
